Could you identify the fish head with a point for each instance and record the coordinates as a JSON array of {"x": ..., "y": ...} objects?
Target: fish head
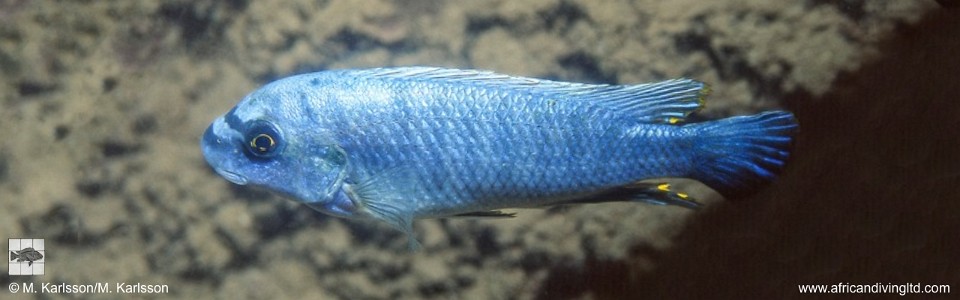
[{"x": 267, "y": 141}]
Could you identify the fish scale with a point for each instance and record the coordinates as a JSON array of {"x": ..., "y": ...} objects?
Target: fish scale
[
  {"x": 397, "y": 144},
  {"x": 522, "y": 130}
]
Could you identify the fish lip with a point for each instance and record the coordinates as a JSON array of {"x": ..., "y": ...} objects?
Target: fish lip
[{"x": 231, "y": 176}]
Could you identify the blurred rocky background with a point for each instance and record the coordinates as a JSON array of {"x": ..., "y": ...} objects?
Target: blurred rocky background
[{"x": 103, "y": 103}]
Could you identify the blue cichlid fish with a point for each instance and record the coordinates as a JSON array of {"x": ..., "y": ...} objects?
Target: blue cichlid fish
[{"x": 398, "y": 144}]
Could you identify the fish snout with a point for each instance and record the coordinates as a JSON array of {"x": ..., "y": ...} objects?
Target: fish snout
[{"x": 218, "y": 152}]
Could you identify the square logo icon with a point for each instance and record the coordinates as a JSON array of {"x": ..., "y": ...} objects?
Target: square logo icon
[{"x": 26, "y": 256}]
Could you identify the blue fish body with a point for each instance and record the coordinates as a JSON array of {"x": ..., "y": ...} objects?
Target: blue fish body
[{"x": 398, "y": 144}]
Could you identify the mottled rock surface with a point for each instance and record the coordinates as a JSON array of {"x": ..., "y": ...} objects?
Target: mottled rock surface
[{"x": 103, "y": 103}]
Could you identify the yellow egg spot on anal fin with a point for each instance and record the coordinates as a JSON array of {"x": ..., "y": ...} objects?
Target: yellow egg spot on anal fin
[
  {"x": 661, "y": 193},
  {"x": 664, "y": 187}
]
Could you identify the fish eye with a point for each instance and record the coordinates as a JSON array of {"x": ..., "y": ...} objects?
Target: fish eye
[
  {"x": 263, "y": 140},
  {"x": 262, "y": 143}
]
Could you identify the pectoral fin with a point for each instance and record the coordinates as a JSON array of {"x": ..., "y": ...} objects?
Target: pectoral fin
[
  {"x": 487, "y": 214},
  {"x": 381, "y": 198}
]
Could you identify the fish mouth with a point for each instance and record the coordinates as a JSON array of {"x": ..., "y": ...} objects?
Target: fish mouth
[
  {"x": 216, "y": 151},
  {"x": 231, "y": 176}
]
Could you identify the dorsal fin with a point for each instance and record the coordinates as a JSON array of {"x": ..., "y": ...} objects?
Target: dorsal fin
[
  {"x": 668, "y": 102},
  {"x": 659, "y": 102}
]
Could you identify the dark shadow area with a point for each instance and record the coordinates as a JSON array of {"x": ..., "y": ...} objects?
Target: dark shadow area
[{"x": 871, "y": 194}]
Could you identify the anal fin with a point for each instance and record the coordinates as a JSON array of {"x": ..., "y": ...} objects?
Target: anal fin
[
  {"x": 659, "y": 193},
  {"x": 663, "y": 194}
]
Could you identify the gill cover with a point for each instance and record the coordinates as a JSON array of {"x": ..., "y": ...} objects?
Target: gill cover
[{"x": 330, "y": 163}]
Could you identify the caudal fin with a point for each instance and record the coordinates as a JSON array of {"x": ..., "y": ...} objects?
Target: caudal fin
[{"x": 737, "y": 154}]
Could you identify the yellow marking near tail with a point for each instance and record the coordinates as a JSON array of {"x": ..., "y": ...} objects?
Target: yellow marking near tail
[
  {"x": 702, "y": 99},
  {"x": 673, "y": 120},
  {"x": 664, "y": 187},
  {"x": 683, "y": 195}
]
